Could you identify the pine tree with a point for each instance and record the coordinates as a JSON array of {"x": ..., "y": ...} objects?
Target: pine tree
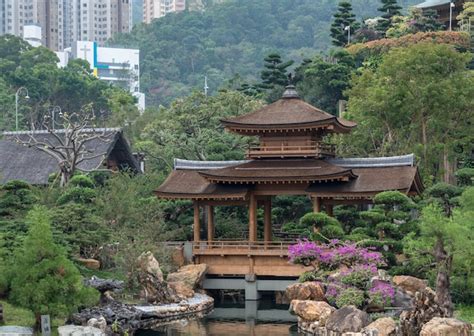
[
  {"x": 389, "y": 9},
  {"x": 274, "y": 73},
  {"x": 43, "y": 279},
  {"x": 343, "y": 18}
]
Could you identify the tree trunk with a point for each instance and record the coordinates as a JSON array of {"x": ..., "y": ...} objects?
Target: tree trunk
[
  {"x": 424, "y": 140},
  {"x": 444, "y": 263},
  {"x": 448, "y": 168}
]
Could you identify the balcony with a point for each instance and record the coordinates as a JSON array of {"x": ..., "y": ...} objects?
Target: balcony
[{"x": 311, "y": 150}]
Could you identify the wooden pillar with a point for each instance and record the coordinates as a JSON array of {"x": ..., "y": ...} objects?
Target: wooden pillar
[
  {"x": 210, "y": 223},
  {"x": 317, "y": 204},
  {"x": 252, "y": 218},
  {"x": 330, "y": 210},
  {"x": 197, "y": 223},
  {"x": 267, "y": 233}
]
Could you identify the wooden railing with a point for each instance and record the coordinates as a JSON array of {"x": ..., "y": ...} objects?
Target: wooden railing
[
  {"x": 314, "y": 149},
  {"x": 229, "y": 245}
]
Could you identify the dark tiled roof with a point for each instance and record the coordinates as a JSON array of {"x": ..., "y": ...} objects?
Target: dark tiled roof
[
  {"x": 19, "y": 162},
  {"x": 279, "y": 170},
  {"x": 287, "y": 112}
]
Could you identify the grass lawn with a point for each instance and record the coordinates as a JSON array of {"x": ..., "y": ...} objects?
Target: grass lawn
[
  {"x": 23, "y": 317},
  {"x": 465, "y": 312}
]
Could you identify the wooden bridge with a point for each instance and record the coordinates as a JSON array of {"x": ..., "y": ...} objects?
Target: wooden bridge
[{"x": 260, "y": 258}]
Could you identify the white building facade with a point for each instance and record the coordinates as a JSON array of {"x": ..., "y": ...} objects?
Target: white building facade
[
  {"x": 153, "y": 9},
  {"x": 118, "y": 66}
]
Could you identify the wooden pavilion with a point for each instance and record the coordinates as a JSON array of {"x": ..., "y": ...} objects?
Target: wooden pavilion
[{"x": 292, "y": 158}]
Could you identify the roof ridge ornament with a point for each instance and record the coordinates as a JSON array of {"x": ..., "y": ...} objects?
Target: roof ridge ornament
[{"x": 290, "y": 92}]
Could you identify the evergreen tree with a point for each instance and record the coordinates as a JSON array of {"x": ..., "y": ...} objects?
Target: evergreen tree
[
  {"x": 275, "y": 72},
  {"x": 43, "y": 279},
  {"x": 389, "y": 9},
  {"x": 342, "y": 19}
]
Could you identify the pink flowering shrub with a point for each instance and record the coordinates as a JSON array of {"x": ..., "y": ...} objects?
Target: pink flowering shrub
[{"x": 355, "y": 266}]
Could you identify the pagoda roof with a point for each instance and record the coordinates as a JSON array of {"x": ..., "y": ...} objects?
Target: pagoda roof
[
  {"x": 279, "y": 171},
  {"x": 348, "y": 178},
  {"x": 371, "y": 181},
  {"x": 290, "y": 113}
]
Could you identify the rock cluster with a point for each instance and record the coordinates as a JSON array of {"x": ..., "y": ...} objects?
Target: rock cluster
[
  {"x": 420, "y": 313},
  {"x": 425, "y": 308},
  {"x": 150, "y": 278}
]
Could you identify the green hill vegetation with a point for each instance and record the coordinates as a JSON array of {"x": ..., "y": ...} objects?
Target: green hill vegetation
[{"x": 229, "y": 41}]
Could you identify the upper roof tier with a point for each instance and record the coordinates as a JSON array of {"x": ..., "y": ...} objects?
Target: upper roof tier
[{"x": 288, "y": 114}]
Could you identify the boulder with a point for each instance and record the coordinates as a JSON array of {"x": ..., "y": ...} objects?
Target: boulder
[
  {"x": 182, "y": 290},
  {"x": 347, "y": 319},
  {"x": 147, "y": 263},
  {"x": 191, "y": 275},
  {"x": 310, "y": 290},
  {"x": 73, "y": 330},
  {"x": 150, "y": 278},
  {"x": 446, "y": 327},
  {"x": 409, "y": 284},
  {"x": 282, "y": 298},
  {"x": 89, "y": 263},
  {"x": 99, "y": 323},
  {"x": 309, "y": 310},
  {"x": 384, "y": 326}
]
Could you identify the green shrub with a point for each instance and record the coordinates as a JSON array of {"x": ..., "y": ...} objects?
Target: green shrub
[
  {"x": 81, "y": 181},
  {"x": 372, "y": 216},
  {"x": 332, "y": 231},
  {"x": 444, "y": 191},
  {"x": 392, "y": 198},
  {"x": 465, "y": 176},
  {"x": 77, "y": 195},
  {"x": 308, "y": 276},
  {"x": 43, "y": 279},
  {"x": 361, "y": 231},
  {"x": 357, "y": 237},
  {"x": 318, "y": 220},
  {"x": 350, "y": 297}
]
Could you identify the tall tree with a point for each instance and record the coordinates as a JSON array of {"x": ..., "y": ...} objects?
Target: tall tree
[
  {"x": 274, "y": 76},
  {"x": 426, "y": 108},
  {"x": 344, "y": 20},
  {"x": 43, "y": 279},
  {"x": 69, "y": 148},
  {"x": 389, "y": 9},
  {"x": 322, "y": 81}
]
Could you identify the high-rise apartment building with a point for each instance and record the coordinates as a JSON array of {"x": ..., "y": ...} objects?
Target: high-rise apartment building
[
  {"x": 153, "y": 9},
  {"x": 63, "y": 22}
]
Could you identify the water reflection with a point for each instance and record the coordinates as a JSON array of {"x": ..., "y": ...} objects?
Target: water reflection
[{"x": 249, "y": 318}]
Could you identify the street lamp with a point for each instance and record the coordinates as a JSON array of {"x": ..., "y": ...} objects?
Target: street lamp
[
  {"x": 53, "y": 115},
  {"x": 451, "y": 6},
  {"x": 22, "y": 88},
  {"x": 348, "y": 29}
]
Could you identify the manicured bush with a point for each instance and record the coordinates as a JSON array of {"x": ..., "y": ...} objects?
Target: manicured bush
[
  {"x": 350, "y": 297},
  {"x": 318, "y": 220},
  {"x": 77, "y": 195},
  {"x": 81, "y": 181},
  {"x": 332, "y": 231},
  {"x": 465, "y": 176},
  {"x": 43, "y": 279},
  {"x": 358, "y": 276},
  {"x": 389, "y": 199}
]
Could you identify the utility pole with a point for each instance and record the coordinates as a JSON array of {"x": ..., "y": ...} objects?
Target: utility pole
[{"x": 22, "y": 88}]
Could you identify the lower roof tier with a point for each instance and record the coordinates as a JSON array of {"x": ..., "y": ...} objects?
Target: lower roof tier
[{"x": 234, "y": 180}]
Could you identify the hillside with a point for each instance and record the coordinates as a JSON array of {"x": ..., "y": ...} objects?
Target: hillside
[{"x": 230, "y": 38}]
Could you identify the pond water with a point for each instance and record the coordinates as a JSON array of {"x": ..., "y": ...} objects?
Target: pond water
[{"x": 234, "y": 319}]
